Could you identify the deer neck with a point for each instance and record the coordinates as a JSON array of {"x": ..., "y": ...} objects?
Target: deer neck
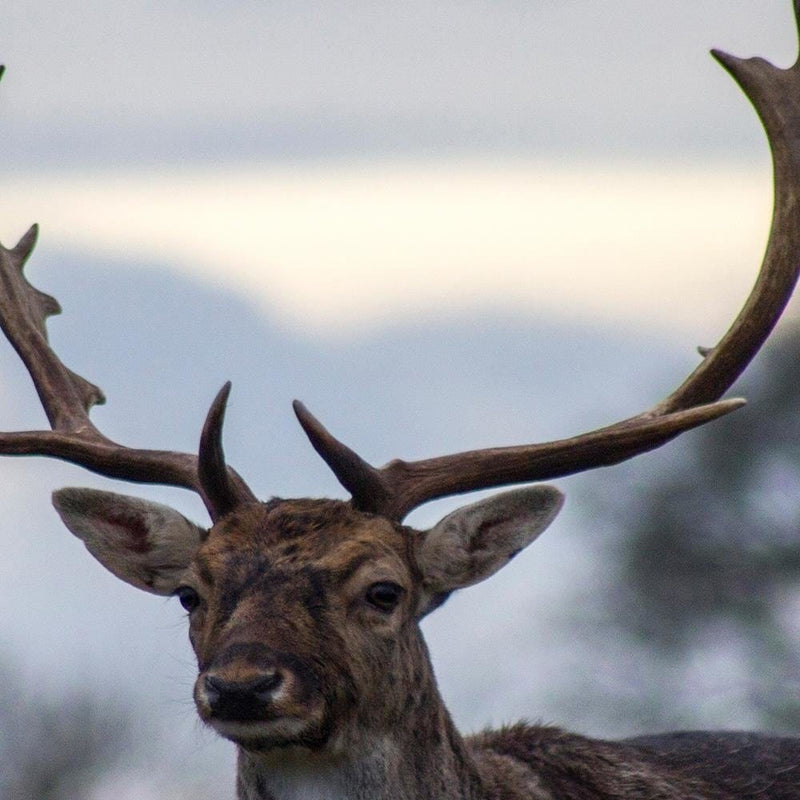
[{"x": 422, "y": 758}]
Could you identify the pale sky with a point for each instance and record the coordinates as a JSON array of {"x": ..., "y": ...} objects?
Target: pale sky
[{"x": 130, "y": 81}]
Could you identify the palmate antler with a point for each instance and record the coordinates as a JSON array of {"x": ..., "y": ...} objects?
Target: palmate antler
[{"x": 400, "y": 486}]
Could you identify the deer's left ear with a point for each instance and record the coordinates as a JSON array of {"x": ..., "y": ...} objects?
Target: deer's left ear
[{"x": 475, "y": 541}]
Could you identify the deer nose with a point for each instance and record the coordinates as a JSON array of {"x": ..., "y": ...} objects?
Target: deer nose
[{"x": 241, "y": 699}]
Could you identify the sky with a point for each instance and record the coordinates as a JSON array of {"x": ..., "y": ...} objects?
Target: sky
[
  {"x": 273, "y": 192},
  {"x": 350, "y": 165},
  {"x": 112, "y": 82}
]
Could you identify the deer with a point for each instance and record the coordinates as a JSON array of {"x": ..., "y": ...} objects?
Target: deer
[{"x": 304, "y": 613}]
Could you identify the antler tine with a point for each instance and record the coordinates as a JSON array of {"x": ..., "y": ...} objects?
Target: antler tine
[
  {"x": 65, "y": 396},
  {"x": 400, "y": 486},
  {"x": 222, "y": 487},
  {"x": 361, "y": 479},
  {"x": 67, "y": 399}
]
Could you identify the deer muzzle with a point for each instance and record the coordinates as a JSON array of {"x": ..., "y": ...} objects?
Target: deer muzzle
[{"x": 249, "y": 692}]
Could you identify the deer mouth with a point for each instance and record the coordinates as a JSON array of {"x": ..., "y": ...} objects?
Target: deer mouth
[
  {"x": 258, "y": 714},
  {"x": 264, "y": 734},
  {"x": 268, "y": 728}
]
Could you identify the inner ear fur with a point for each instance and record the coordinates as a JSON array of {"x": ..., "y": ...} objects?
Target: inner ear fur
[
  {"x": 475, "y": 541},
  {"x": 146, "y": 544}
]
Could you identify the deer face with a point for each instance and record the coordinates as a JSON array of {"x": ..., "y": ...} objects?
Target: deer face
[
  {"x": 304, "y": 614},
  {"x": 300, "y": 613}
]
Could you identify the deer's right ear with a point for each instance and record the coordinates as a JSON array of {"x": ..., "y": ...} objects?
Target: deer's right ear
[{"x": 145, "y": 544}]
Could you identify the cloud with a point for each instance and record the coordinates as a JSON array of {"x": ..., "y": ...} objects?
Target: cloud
[{"x": 337, "y": 249}]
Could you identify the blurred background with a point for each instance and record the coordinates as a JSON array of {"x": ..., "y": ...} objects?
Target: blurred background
[{"x": 442, "y": 225}]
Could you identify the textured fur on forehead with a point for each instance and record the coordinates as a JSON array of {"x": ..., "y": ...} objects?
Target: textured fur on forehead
[{"x": 308, "y": 528}]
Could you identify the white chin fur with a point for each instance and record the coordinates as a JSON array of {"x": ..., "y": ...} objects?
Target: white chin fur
[{"x": 286, "y": 728}]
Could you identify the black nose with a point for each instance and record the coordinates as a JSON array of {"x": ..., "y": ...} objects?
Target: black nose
[{"x": 241, "y": 700}]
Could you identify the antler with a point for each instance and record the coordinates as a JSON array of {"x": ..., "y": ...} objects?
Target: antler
[
  {"x": 67, "y": 399},
  {"x": 400, "y": 486}
]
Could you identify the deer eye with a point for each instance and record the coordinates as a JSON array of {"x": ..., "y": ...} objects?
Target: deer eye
[
  {"x": 384, "y": 596},
  {"x": 188, "y": 597}
]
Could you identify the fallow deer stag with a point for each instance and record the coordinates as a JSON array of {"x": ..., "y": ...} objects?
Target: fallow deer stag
[{"x": 304, "y": 614}]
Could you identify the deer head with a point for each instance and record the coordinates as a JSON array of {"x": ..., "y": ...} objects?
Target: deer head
[{"x": 304, "y": 613}]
